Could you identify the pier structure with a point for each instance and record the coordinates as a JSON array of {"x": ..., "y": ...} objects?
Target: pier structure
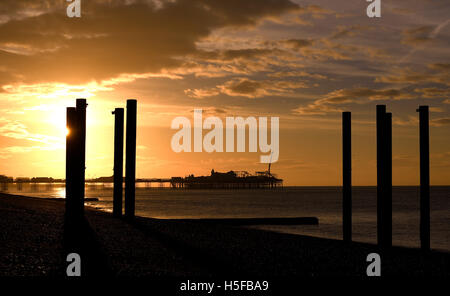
[{"x": 229, "y": 180}]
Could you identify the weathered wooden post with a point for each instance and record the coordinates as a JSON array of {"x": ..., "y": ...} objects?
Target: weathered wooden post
[
  {"x": 81, "y": 154},
  {"x": 424, "y": 178},
  {"x": 384, "y": 177},
  {"x": 381, "y": 164},
  {"x": 387, "y": 203},
  {"x": 118, "y": 161},
  {"x": 75, "y": 159},
  {"x": 70, "y": 161},
  {"x": 347, "y": 176},
  {"x": 130, "y": 159}
]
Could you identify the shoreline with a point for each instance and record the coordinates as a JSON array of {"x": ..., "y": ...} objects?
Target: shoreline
[{"x": 34, "y": 242}]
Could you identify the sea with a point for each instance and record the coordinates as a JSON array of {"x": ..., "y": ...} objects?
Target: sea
[{"x": 325, "y": 203}]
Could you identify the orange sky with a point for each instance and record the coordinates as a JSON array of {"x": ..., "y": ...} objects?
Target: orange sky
[{"x": 301, "y": 61}]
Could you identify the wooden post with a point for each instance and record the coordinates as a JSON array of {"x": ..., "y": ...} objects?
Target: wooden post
[
  {"x": 424, "y": 178},
  {"x": 80, "y": 154},
  {"x": 70, "y": 163},
  {"x": 347, "y": 176},
  {"x": 387, "y": 199},
  {"x": 381, "y": 164},
  {"x": 118, "y": 161},
  {"x": 75, "y": 159},
  {"x": 130, "y": 159}
]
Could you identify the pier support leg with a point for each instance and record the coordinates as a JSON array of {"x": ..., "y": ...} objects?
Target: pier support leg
[
  {"x": 130, "y": 160},
  {"x": 347, "y": 176},
  {"x": 424, "y": 178},
  {"x": 118, "y": 161}
]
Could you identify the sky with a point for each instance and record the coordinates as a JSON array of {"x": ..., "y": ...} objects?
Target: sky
[{"x": 302, "y": 61}]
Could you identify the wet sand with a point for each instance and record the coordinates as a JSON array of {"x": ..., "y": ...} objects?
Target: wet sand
[{"x": 35, "y": 240}]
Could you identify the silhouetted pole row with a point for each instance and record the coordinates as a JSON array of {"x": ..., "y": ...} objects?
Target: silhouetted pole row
[
  {"x": 130, "y": 159},
  {"x": 347, "y": 175},
  {"x": 118, "y": 161},
  {"x": 384, "y": 176},
  {"x": 75, "y": 159},
  {"x": 424, "y": 178}
]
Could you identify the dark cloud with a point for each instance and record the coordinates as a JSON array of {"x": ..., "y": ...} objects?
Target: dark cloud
[
  {"x": 116, "y": 37},
  {"x": 440, "y": 73},
  {"x": 440, "y": 121},
  {"x": 328, "y": 103},
  {"x": 347, "y": 31},
  {"x": 298, "y": 43},
  {"x": 245, "y": 87},
  {"x": 418, "y": 35},
  {"x": 433, "y": 92}
]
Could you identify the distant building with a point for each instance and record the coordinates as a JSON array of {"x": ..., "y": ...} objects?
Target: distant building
[
  {"x": 5, "y": 179},
  {"x": 42, "y": 180},
  {"x": 22, "y": 180}
]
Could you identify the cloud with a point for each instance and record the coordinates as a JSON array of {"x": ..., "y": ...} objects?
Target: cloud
[
  {"x": 348, "y": 31},
  {"x": 439, "y": 73},
  {"x": 297, "y": 43},
  {"x": 315, "y": 11},
  {"x": 356, "y": 94},
  {"x": 296, "y": 74},
  {"x": 410, "y": 121},
  {"x": 317, "y": 108},
  {"x": 93, "y": 47},
  {"x": 201, "y": 93},
  {"x": 417, "y": 36},
  {"x": 440, "y": 121},
  {"x": 433, "y": 92},
  {"x": 245, "y": 87},
  {"x": 443, "y": 67},
  {"x": 328, "y": 103},
  {"x": 17, "y": 130}
]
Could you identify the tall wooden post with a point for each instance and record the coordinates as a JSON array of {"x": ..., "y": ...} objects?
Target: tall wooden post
[
  {"x": 118, "y": 161},
  {"x": 70, "y": 161},
  {"x": 387, "y": 203},
  {"x": 347, "y": 176},
  {"x": 381, "y": 165},
  {"x": 130, "y": 159},
  {"x": 424, "y": 178},
  {"x": 81, "y": 153},
  {"x": 75, "y": 159}
]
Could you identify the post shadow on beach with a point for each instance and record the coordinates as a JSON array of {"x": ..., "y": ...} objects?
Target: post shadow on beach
[{"x": 80, "y": 238}]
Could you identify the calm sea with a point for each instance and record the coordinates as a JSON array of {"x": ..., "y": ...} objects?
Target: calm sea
[{"x": 322, "y": 202}]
